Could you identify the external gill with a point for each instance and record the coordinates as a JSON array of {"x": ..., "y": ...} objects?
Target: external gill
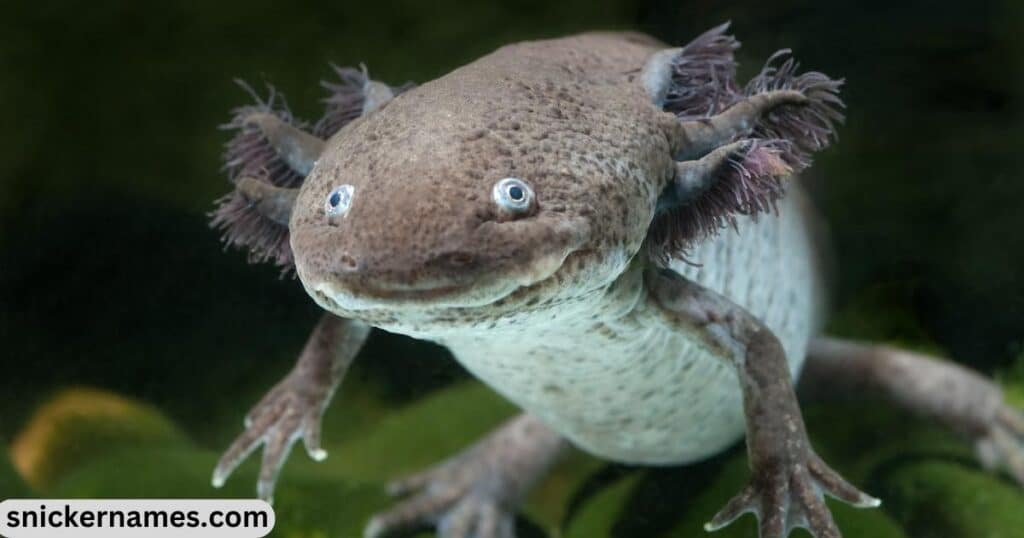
[
  {"x": 734, "y": 147},
  {"x": 272, "y": 152},
  {"x": 252, "y": 155}
]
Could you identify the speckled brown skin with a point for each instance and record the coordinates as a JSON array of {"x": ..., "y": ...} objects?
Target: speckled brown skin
[
  {"x": 424, "y": 250},
  {"x": 571, "y": 118}
]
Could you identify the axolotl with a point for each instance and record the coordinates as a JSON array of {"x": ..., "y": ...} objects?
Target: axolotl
[{"x": 605, "y": 230}]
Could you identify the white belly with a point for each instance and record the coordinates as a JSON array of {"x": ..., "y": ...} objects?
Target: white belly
[{"x": 630, "y": 389}]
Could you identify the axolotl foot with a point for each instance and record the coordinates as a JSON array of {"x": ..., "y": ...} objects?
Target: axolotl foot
[
  {"x": 290, "y": 411},
  {"x": 1002, "y": 446},
  {"x": 477, "y": 492},
  {"x": 293, "y": 409},
  {"x": 451, "y": 498},
  {"x": 790, "y": 495}
]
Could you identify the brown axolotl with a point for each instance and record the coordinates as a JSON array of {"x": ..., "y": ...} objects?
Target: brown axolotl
[{"x": 551, "y": 214}]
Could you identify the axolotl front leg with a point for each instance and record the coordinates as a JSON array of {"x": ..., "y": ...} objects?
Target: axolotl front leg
[
  {"x": 293, "y": 409},
  {"x": 789, "y": 479}
]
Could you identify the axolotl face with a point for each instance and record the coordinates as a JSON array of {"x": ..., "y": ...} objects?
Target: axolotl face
[{"x": 437, "y": 204}]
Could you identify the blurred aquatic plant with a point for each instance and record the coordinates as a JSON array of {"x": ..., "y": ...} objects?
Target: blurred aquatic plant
[
  {"x": 78, "y": 424},
  {"x": 90, "y": 443}
]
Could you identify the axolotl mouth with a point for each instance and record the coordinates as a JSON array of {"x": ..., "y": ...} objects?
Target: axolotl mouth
[
  {"x": 495, "y": 261},
  {"x": 488, "y": 289}
]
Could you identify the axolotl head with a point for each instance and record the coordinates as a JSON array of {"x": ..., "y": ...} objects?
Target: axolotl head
[
  {"x": 523, "y": 181},
  {"x": 440, "y": 204}
]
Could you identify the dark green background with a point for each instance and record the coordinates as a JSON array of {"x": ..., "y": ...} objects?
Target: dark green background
[{"x": 109, "y": 158}]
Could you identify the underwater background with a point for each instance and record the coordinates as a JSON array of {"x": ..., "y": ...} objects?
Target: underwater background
[{"x": 132, "y": 344}]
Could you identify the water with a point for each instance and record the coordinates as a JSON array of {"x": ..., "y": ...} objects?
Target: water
[{"x": 132, "y": 345}]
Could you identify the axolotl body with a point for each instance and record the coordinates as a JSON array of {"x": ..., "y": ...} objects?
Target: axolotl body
[{"x": 551, "y": 214}]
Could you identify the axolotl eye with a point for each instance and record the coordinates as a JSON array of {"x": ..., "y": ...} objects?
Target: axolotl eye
[
  {"x": 338, "y": 201},
  {"x": 513, "y": 195}
]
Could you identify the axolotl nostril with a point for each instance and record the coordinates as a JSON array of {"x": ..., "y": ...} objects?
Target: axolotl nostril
[{"x": 605, "y": 230}]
